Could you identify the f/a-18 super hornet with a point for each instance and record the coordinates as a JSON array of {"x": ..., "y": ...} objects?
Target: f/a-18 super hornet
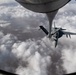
[{"x": 57, "y": 33}]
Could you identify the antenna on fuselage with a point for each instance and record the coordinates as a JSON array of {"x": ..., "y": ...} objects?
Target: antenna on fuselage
[{"x": 55, "y": 26}]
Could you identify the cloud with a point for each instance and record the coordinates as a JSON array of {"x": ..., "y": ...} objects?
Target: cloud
[
  {"x": 7, "y": 58},
  {"x": 29, "y": 57},
  {"x": 30, "y": 53},
  {"x": 6, "y": 1},
  {"x": 69, "y": 60},
  {"x": 25, "y": 50},
  {"x": 23, "y": 57},
  {"x": 21, "y": 20}
]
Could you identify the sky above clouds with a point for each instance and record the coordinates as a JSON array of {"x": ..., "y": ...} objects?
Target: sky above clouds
[{"x": 22, "y": 44}]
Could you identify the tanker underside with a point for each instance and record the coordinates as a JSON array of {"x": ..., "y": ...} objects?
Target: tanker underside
[{"x": 43, "y": 7}]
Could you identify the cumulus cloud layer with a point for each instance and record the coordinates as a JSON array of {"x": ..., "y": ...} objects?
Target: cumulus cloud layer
[
  {"x": 6, "y": 1},
  {"x": 24, "y": 50},
  {"x": 29, "y": 57}
]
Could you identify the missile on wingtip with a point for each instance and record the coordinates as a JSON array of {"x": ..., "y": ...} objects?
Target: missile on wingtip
[{"x": 43, "y": 6}]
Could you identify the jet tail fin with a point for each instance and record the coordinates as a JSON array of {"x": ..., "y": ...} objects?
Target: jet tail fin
[{"x": 44, "y": 30}]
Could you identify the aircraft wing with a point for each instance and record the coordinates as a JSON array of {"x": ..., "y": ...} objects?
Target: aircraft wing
[{"x": 69, "y": 33}]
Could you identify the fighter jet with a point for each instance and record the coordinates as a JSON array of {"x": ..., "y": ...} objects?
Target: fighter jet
[
  {"x": 50, "y": 7},
  {"x": 57, "y": 33}
]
